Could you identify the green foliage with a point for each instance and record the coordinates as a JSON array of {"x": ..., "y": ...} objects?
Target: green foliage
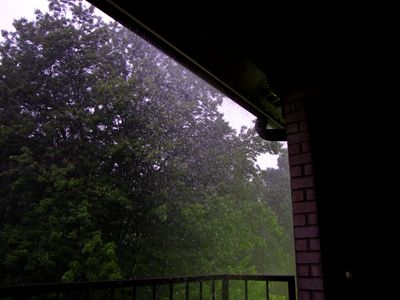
[
  {"x": 115, "y": 162},
  {"x": 97, "y": 261}
]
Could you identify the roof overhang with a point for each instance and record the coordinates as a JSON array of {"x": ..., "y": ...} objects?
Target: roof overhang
[{"x": 253, "y": 54}]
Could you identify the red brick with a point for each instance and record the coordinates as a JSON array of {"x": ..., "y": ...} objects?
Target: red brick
[
  {"x": 304, "y": 207},
  {"x": 304, "y": 295},
  {"x": 310, "y": 194},
  {"x": 303, "y": 271},
  {"x": 316, "y": 271},
  {"x": 297, "y": 196},
  {"x": 306, "y": 232},
  {"x": 299, "y": 220},
  {"x": 302, "y": 182},
  {"x": 295, "y": 116},
  {"x": 314, "y": 244},
  {"x": 309, "y": 283},
  {"x": 289, "y": 107},
  {"x": 303, "y": 126},
  {"x": 312, "y": 219},
  {"x": 308, "y": 257},
  {"x": 298, "y": 138},
  {"x": 293, "y": 149},
  {"x": 317, "y": 295},
  {"x": 300, "y": 105},
  {"x": 308, "y": 169},
  {"x": 300, "y": 159},
  {"x": 295, "y": 171},
  {"x": 305, "y": 147},
  {"x": 292, "y": 128},
  {"x": 301, "y": 245}
]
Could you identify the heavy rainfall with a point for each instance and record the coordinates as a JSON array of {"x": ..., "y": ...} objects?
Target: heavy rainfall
[{"x": 117, "y": 162}]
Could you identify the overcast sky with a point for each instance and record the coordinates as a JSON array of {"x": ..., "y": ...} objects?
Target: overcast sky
[
  {"x": 233, "y": 113},
  {"x": 14, "y": 9}
]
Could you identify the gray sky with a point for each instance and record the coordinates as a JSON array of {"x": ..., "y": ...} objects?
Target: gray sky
[{"x": 233, "y": 113}]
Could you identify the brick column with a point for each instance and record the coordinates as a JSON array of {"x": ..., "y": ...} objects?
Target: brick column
[{"x": 304, "y": 203}]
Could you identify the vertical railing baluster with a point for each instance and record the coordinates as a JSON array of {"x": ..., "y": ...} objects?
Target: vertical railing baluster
[
  {"x": 201, "y": 290},
  {"x": 291, "y": 288},
  {"x": 154, "y": 292},
  {"x": 213, "y": 289},
  {"x": 225, "y": 289},
  {"x": 87, "y": 295},
  {"x": 267, "y": 288},
  {"x": 112, "y": 296},
  {"x": 171, "y": 291},
  {"x": 134, "y": 293},
  {"x": 187, "y": 291},
  {"x": 246, "y": 291}
]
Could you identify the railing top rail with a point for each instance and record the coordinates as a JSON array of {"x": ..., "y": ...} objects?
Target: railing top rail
[
  {"x": 282, "y": 278},
  {"x": 35, "y": 289}
]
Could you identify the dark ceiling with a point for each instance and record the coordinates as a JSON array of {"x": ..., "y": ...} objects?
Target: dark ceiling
[{"x": 253, "y": 53}]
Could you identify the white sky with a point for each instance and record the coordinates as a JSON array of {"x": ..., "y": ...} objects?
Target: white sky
[
  {"x": 15, "y": 9},
  {"x": 237, "y": 117},
  {"x": 233, "y": 113}
]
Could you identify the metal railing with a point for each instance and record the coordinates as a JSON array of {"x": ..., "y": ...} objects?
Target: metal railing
[{"x": 86, "y": 290}]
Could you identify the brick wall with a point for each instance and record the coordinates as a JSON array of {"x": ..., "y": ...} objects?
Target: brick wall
[{"x": 305, "y": 221}]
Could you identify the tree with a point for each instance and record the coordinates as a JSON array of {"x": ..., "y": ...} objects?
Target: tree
[
  {"x": 275, "y": 189},
  {"x": 107, "y": 148}
]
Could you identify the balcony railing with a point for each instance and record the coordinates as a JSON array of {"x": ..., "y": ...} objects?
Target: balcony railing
[{"x": 156, "y": 288}]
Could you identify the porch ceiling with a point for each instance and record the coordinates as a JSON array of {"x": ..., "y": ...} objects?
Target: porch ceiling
[{"x": 253, "y": 53}]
